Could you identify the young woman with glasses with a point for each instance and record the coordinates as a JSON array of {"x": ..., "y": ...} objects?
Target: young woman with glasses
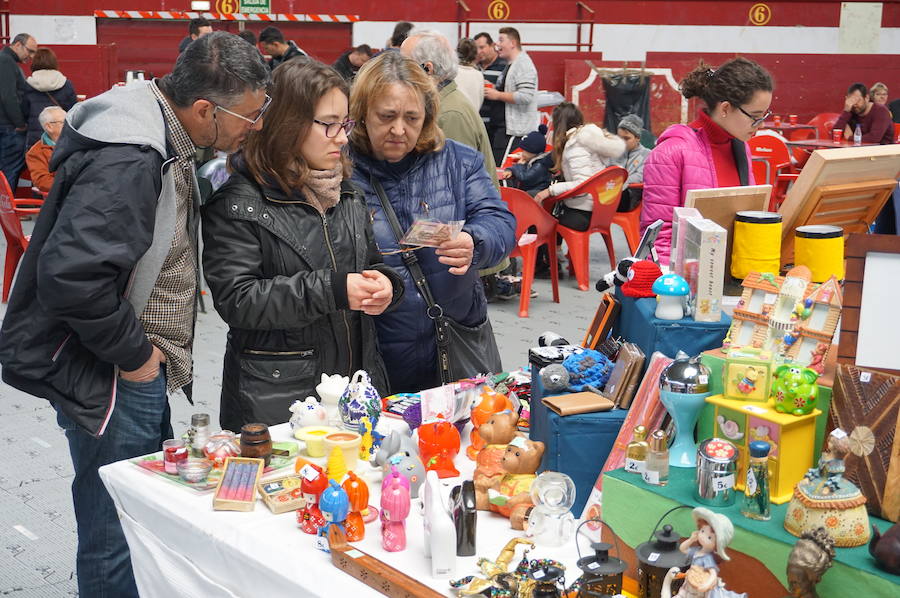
[
  {"x": 712, "y": 150},
  {"x": 290, "y": 257}
]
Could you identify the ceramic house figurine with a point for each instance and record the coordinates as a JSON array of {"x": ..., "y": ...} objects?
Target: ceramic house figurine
[
  {"x": 713, "y": 534},
  {"x": 308, "y": 412},
  {"x": 794, "y": 389},
  {"x": 672, "y": 293},
  {"x": 785, "y": 313},
  {"x": 330, "y": 390},
  {"x": 497, "y": 433},
  {"x": 823, "y": 498},
  {"x": 818, "y": 323},
  {"x": 360, "y": 399},
  {"x": 511, "y": 497},
  {"x": 313, "y": 484},
  {"x": 394, "y": 511},
  {"x": 810, "y": 558},
  {"x": 750, "y": 321},
  {"x": 334, "y": 506},
  {"x": 551, "y": 523}
]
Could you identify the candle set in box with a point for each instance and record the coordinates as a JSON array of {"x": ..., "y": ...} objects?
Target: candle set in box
[{"x": 237, "y": 488}]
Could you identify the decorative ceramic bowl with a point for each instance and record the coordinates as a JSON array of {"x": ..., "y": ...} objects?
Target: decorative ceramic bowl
[
  {"x": 194, "y": 471},
  {"x": 314, "y": 437}
]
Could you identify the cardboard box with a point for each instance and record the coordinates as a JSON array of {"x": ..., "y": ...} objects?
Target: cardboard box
[
  {"x": 705, "y": 245},
  {"x": 679, "y": 218}
]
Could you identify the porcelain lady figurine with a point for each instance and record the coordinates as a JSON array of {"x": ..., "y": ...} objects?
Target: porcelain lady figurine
[
  {"x": 699, "y": 582},
  {"x": 713, "y": 534}
]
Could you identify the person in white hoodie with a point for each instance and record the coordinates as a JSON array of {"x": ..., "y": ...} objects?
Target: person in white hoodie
[
  {"x": 579, "y": 152},
  {"x": 46, "y": 87}
]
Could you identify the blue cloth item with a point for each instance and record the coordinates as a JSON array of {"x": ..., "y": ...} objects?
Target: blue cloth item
[
  {"x": 578, "y": 445},
  {"x": 12, "y": 154},
  {"x": 138, "y": 425},
  {"x": 46, "y": 139},
  {"x": 588, "y": 368},
  {"x": 638, "y": 324}
]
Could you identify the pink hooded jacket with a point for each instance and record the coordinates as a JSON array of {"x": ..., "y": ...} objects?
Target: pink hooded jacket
[{"x": 682, "y": 160}]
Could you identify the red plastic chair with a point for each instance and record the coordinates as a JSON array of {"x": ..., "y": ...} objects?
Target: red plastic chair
[
  {"x": 528, "y": 213},
  {"x": 16, "y": 240},
  {"x": 782, "y": 172},
  {"x": 630, "y": 222},
  {"x": 606, "y": 189},
  {"x": 896, "y": 132},
  {"x": 824, "y": 123}
]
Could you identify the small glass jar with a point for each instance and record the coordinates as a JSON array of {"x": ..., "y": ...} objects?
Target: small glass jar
[
  {"x": 220, "y": 446},
  {"x": 636, "y": 452},
  {"x": 756, "y": 490},
  {"x": 198, "y": 433},
  {"x": 656, "y": 471}
]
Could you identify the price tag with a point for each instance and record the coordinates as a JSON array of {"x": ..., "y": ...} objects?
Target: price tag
[
  {"x": 723, "y": 483},
  {"x": 538, "y": 574},
  {"x": 754, "y": 409},
  {"x": 322, "y": 543},
  {"x": 651, "y": 477},
  {"x": 838, "y": 433},
  {"x": 653, "y": 556},
  {"x": 635, "y": 466},
  {"x": 751, "y": 482},
  {"x": 703, "y": 379},
  {"x": 593, "y": 565},
  {"x": 309, "y": 473},
  {"x": 865, "y": 376}
]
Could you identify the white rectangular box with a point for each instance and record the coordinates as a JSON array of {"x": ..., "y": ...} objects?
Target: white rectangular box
[{"x": 704, "y": 248}]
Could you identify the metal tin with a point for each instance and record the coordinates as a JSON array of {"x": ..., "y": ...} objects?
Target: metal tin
[
  {"x": 715, "y": 478},
  {"x": 686, "y": 376}
]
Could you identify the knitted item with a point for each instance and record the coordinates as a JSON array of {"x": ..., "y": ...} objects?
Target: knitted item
[
  {"x": 588, "y": 368},
  {"x": 641, "y": 278},
  {"x": 323, "y": 188},
  {"x": 632, "y": 123},
  {"x": 536, "y": 141}
]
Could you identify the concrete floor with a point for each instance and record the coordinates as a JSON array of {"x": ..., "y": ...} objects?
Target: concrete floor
[{"x": 37, "y": 524}]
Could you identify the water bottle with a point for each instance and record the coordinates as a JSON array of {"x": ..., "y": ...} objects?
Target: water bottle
[{"x": 857, "y": 135}]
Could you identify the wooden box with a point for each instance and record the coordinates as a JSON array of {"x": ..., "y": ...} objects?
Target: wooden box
[
  {"x": 747, "y": 375},
  {"x": 791, "y": 437},
  {"x": 236, "y": 490}
]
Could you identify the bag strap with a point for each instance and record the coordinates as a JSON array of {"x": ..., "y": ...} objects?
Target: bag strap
[
  {"x": 435, "y": 311},
  {"x": 52, "y": 99}
]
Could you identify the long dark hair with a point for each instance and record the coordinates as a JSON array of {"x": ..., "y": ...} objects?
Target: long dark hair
[
  {"x": 271, "y": 154},
  {"x": 734, "y": 82},
  {"x": 565, "y": 116}
]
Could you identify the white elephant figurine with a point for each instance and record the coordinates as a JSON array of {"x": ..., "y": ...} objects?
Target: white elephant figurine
[
  {"x": 330, "y": 390},
  {"x": 308, "y": 412}
]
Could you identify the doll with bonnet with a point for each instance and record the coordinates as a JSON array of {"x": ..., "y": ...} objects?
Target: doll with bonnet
[{"x": 713, "y": 534}]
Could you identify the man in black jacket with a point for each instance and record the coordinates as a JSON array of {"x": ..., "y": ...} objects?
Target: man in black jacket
[
  {"x": 493, "y": 112},
  {"x": 271, "y": 41},
  {"x": 351, "y": 61},
  {"x": 101, "y": 319},
  {"x": 12, "y": 120}
]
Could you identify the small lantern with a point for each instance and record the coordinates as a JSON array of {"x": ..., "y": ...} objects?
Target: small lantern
[
  {"x": 548, "y": 576},
  {"x": 655, "y": 558},
  {"x": 601, "y": 573}
]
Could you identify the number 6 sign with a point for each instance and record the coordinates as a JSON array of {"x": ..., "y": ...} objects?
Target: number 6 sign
[{"x": 498, "y": 10}]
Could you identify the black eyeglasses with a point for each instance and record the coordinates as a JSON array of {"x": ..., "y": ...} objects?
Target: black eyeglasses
[
  {"x": 756, "y": 120},
  {"x": 331, "y": 129}
]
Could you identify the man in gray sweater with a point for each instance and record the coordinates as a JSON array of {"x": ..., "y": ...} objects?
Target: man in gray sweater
[{"x": 517, "y": 87}]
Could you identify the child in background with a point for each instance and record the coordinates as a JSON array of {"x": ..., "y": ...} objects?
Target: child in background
[
  {"x": 531, "y": 173},
  {"x": 630, "y": 128}
]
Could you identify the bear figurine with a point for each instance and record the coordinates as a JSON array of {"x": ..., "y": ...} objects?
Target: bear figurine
[
  {"x": 496, "y": 432},
  {"x": 511, "y": 497},
  {"x": 794, "y": 389}
]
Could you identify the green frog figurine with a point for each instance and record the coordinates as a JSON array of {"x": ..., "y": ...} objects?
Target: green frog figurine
[{"x": 794, "y": 389}]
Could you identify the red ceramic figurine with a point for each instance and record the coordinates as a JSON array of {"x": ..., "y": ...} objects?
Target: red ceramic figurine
[
  {"x": 438, "y": 446},
  {"x": 491, "y": 402},
  {"x": 312, "y": 486}
]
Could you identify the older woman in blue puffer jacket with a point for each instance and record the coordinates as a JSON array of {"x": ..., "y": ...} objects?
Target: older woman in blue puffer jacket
[{"x": 398, "y": 146}]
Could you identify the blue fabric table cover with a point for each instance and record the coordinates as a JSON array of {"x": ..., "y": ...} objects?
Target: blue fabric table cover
[
  {"x": 637, "y": 324},
  {"x": 578, "y": 445}
]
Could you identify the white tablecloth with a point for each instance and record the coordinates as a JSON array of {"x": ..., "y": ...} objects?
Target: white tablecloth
[{"x": 181, "y": 547}]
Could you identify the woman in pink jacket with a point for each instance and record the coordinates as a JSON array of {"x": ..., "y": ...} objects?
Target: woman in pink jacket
[{"x": 711, "y": 151}]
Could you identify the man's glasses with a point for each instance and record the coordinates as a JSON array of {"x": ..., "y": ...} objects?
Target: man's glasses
[
  {"x": 756, "y": 120},
  {"x": 252, "y": 121},
  {"x": 331, "y": 129}
]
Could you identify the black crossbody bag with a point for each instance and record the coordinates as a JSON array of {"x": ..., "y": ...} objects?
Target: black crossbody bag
[{"x": 463, "y": 351}]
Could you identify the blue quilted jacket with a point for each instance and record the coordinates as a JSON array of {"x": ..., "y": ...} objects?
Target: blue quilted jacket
[{"x": 450, "y": 184}]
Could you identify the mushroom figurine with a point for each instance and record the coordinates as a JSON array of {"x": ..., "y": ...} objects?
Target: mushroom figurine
[{"x": 672, "y": 293}]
